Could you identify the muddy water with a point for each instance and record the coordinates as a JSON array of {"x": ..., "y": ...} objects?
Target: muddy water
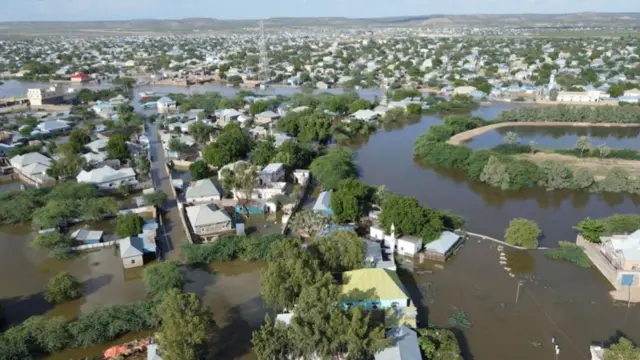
[{"x": 556, "y": 299}]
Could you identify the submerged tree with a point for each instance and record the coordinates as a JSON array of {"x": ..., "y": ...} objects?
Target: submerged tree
[
  {"x": 522, "y": 232},
  {"x": 62, "y": 287}
]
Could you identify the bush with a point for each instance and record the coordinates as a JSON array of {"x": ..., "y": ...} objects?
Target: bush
[
  {"x": 62, "y": 287},
  {"x": 570, "y": 252},
  {"x": 508, "y": 149},
  {"x": 161, "y": 277},
  {"x": 522, "y": 232},
  {"x": 249, "y": 248}
]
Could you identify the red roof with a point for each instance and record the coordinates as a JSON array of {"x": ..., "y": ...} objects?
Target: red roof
[{"x": 80, "y": 75}]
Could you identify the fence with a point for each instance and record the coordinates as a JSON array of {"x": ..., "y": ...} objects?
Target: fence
[{"x": 150, "y": 209}]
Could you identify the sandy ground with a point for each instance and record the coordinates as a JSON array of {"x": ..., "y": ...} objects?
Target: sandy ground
[
  {"x": 600, "y": 167},
  {"x": 468, "y": 135}
]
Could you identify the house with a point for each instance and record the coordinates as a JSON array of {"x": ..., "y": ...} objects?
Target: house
[
  {"x": 226, "y": 116},
  {"x": 404, "y": 345},
  {"x": 301, "y": 176},
  {"x": 272, "y": 173},
  {"x": 53, "y": 126},
  {"x": 98, "y": 146},
  {"x": 323, "y": 203},
  {"x": 579, "y": 96},
  {"x": 134, "y": 248},
  {"x": 464, "y": 90},
  {"x": 629, "y": 99},
  {"x": 87, "y": 236},
  {"x": 165, "y": 104},
  {"x": 51, "y": 95},
  {"x": 79, "y": 78},
  {"x": 33, "y": 166},
  {"x": 632, "y": 93},
  {"x": 441, "y": 248},
  {"x": 108, "y": 178},
  {"x": 209, "y": 222},
  {"x": 280, "y": 138},
  {"x": 378, "y": 289},
  {"x": 203, "y": 191},
  {"x": 266, "y": 117},
  {"x": 623, "y": 252},
  {"x": 103, "y": 109},
  {"x": 322, "y": 85},
  {"x": 118, "y": 100},
  {"x": 365, "y": 115}
]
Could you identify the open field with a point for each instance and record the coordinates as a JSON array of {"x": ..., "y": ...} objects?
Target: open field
[
  {"x": 466, "y": 136},
  {"x": 599, "y": 167}
]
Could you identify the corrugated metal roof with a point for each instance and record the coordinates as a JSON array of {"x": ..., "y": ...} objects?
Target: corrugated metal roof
[{"x": 385, "y": 285}]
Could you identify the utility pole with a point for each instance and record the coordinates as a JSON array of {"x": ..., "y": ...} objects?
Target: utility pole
[
  {"x": 263, "y": 74},
  {"x": 520, "y": 283}
]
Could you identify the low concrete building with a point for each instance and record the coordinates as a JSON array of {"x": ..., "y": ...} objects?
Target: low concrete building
[
  {"x": 365, "y": 115},
  {"x": 165, "y": 105},
  {"x": 323, "y": 203},
  {"x": 87, "y": 236},
  {"x": 579, "y": 96},
  {"x": 266, "y": 117},
  {"x": 108, "y": 178},
  {"x": 203, "y": 191},
  {"x": 443, "y": 247},
  {"x": 32, "y": 167},
  {"x": 403, "y": 244},
  {"x": 272, "y": 173}
]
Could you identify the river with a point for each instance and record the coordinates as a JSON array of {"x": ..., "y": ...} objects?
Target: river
[{"x": 556, "y": 299}]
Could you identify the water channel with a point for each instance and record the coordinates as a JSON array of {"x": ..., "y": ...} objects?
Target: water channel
[{"x": 556, "y": 298}]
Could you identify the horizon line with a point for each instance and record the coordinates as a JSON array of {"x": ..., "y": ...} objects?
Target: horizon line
[{"x": 323, "y": 17}]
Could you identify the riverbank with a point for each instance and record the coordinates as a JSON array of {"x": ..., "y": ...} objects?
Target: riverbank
[
  {"x": 468, "y": 135},
  {"x": 600, "y": 168}
]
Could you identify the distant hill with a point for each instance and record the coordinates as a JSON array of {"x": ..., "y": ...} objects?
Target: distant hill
[{"x": 189, "y": 25}]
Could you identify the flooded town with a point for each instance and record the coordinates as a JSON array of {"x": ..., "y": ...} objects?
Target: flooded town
[{"x": 392, "y": 188}]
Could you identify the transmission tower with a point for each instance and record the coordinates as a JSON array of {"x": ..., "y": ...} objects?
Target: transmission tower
[{"x": 263, "y": 75}]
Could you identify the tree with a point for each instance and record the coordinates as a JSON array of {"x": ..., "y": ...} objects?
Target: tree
[
  {"x": 184, "y": 328},
  {"x": 623, "y": 350},
  {"x": 336, "y": 165},
  {"x": 26, "y": 131},
  {"x": 347, "y": 202},
  {"x": 67, "y": 166},
  {"x": 161, "y": 277},
  {"x": 495, "y": 173},
  {"x": 143, "y": 165},
  {"x": 583, "y": 144},
  {"x": 591, "y": 230},
  {"x": 175, "y": 145},
  {"x": 308, "y": 222},
  {"x": 604, "y": 151},
  {"x": 129, "y": 224},
  {"x": 231, "y": 145},
  {"x": 556, "y": 175},
  {"x": 62, "y": 287},
  {"x": 117, "y": 148},
  {"x": 522, "y": 232},
  {"x": 263, "y": 153},
  {"x": 439, "y": 344},
  {"x": 289, "y": 270},
  {"x": 201, "y": 132},
  {"x": 511, "y": 138},
  {"x": 77, "y": 140},
  {"x": 53, "y": 241},
  {"x": 199, "y": 170},
  {"x": 156, "y": 198},
  {"x": 272, "y": 340},
  {"x": 352, "y": 249},
  {"x": 258, "y": 107}
]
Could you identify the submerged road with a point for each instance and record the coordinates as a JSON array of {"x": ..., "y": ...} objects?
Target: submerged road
[{"x": 173, "y": 233}]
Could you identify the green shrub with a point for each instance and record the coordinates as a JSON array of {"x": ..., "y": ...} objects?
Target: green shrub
[{"x": 570, "y": 252}]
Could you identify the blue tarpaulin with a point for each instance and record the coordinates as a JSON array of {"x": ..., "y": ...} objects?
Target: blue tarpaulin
[{"x": 627, "y": 280}]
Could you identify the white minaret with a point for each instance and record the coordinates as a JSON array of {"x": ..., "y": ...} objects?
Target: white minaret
[{"x": 552, "y": 80}]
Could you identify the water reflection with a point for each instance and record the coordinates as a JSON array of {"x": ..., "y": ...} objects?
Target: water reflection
[{"x": 562, "y": 136}]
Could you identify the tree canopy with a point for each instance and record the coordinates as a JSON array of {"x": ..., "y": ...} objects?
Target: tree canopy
[
  {"x": 522, "y": 232},
  {"x": 232, "y": 144},
  {"x": 336, "y": 165},
  {"x": 117, "y": 148},
  {"x": 129, "y": 224},
  {"x": 62, "y": 287},
  {"x": 348, "y": 200}
]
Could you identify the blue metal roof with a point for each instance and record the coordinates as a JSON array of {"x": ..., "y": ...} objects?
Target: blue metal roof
[
  {"x": 444, "y": 243},
  {"x": 329, "y": 229}
]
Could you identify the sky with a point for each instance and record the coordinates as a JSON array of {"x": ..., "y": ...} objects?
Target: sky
[{"x": 86, "y": 10}]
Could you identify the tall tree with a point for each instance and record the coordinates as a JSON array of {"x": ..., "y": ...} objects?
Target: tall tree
[
  {"x": 272, "y": 341},
  {"x": 77, "y": 140},
  {"x": 184, "y": 326},
  {"x": 336, "y": 165},
  {"x": 623, "y": 350},
  {"x": 117, "y": 148},
  {"x": 161, "y": 277},
  {"x": 199, "y": 170},
  {"x": 232, "y": 144},
  {"x": 348, "y": 200}
]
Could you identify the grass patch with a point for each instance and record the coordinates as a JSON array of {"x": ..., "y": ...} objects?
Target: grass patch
[
  {"x": 459, "y": 318},
  {"x": 570, "y": 252}
]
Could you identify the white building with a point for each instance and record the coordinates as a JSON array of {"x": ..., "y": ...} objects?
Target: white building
[
  {"x": 580, "y": 96},
  {"x": 632, "y": 93},
  {"x": 107, "y": 177},
  {"x": 165, "y": 105},
  {"x": 203, "y": 191},
  {"x": 33, "y": 166}
]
